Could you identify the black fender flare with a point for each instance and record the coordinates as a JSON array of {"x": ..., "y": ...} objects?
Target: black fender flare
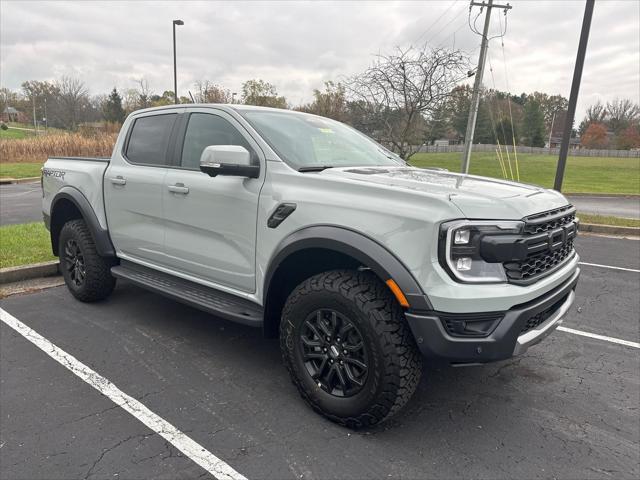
[
  {"x": 100, "y": 235},
  {"x": 356, "y": 245}
]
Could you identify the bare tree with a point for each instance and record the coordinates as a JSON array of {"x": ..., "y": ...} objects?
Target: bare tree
[
  {"x": 73, "y": 100},
  {"x": 621, "y": 113},
  {"x": 596, "y": 113},
  {"x": 399, "y": 91},
  {"x": 144, "y": 93},
  {"x": 208, "y": 92}
]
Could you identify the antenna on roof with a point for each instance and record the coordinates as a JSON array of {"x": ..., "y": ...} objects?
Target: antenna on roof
[{"x": 192, "y": 100}]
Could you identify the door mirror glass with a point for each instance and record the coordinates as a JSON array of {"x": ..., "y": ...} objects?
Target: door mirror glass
[{"x": 232, "y": 160}]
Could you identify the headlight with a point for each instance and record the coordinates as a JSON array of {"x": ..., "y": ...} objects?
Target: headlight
[{"x": 459, "y": 249}]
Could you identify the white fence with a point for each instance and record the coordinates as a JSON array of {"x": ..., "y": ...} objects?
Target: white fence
[{"x": 577, "y": 152}]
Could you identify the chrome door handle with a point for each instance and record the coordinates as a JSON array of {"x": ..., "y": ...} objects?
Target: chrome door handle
[
  {"x": 118, "y": 180},
  {"x": 179, "y": 188}
]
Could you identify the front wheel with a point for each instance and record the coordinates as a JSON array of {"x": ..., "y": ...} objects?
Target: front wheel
[
  {"x": 87, "y": 274},
  {"x": 348, "y": 348}
]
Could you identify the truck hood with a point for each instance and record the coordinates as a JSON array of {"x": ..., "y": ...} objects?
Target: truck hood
[{"x": 477, "y": 197}]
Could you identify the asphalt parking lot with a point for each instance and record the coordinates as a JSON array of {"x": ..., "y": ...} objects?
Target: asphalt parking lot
[
  {"x": 20, "y": 203},
  {"x": 568, "y": 408}
]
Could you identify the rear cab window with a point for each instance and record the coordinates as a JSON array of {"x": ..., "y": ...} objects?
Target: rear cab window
[{"x": 149, "y": 139}]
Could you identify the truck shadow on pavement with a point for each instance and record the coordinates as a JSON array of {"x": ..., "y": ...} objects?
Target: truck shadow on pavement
[{"x": 446, "y": 396}]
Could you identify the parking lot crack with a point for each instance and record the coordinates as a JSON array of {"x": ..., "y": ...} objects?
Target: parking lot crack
[
  {"x": 89, "y": 415},
  {"x": 113, "y": 447}
]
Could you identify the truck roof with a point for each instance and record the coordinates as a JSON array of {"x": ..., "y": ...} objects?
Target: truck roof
[{"x": 223, "y": 106}]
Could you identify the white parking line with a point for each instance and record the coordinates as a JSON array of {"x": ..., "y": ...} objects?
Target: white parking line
[
  {"x": 186, "y": 445},
  {"x": 609, "y": 266},
  {"x": 600, "y": 337}
]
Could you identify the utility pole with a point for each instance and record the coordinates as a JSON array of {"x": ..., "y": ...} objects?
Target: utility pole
[
  {"x": 46, "y": 119},
  {"x": 553, "y": 119},
  {"x": 35, "y": 120},
  {"x": 573, "y": 96},
  {"x": 475, "y": 98}
]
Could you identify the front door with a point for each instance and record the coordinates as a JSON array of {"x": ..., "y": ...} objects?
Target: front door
[
  {"x": 211, "y": 222},
  {"x": 133, "y": 187}
]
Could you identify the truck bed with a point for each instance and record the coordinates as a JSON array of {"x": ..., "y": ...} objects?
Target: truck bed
[{"x": 84, "y": 174}]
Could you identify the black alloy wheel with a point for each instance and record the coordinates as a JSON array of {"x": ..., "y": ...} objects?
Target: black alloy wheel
[
  {"x": 74, "y": 262},
  {"x": 348, "y": 348},
  {"x": 86, "y": 273},
  {"x": 334, "y": 352}
]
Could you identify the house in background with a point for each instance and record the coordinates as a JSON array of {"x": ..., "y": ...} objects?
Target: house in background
[
  {"x": 10, "y": 114},
  {"x": 555, "y": 142},
  {"x": 557, "y": 131}
]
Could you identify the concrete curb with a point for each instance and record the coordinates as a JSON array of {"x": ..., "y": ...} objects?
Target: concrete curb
[
  {"x": 27, "y": 272},
  {"x": 7, "y": 181},
  {"x": 609, "y": 229}
]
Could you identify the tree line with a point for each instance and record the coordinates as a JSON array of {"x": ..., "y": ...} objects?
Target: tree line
[{"x": 404, "y": 99}]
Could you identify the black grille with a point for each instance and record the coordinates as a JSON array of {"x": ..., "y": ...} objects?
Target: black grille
[
  {"x": 538, "y": 264},
  {"x": 541, "y": 317},
  {"x": 543, "y": 222},
  {"x": 549, "y": 238}
]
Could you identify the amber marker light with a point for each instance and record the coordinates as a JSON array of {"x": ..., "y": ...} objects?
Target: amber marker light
[{"x": 402, "y": 300}]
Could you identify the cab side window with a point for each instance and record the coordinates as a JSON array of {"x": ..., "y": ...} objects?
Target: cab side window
[
  {"x": 203, "y": 130},
  {"x": 149, "y": 139}
]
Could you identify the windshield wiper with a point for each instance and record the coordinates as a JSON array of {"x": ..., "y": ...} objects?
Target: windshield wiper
[{"x": 316, "y": 168}]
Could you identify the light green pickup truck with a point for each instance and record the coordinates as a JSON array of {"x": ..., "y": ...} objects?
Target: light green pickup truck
[{"x": 308, "y": 229}]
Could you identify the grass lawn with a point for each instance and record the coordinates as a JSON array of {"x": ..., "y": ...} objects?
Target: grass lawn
[
  {"x": 582, "y": 174},
  {"x": 15, "y": 134},
  {"x": 20, "y": 170},
  {"x": 607, "y": 220},
  {"x": 24, "y": 244}
]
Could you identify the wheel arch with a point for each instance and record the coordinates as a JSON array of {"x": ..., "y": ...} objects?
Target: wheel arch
[
  {"x": 70, "y": 204},
  {"x": 315, "y": 249}
]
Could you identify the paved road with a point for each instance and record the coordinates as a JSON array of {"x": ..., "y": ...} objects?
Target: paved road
[
  {"x": 628, "y": 207},
  {"x": 20, "y": 203},
  {"x": 567, "y": 409}
]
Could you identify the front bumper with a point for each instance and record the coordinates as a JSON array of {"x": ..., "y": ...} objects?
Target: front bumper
[{"x": 506, "y": 339}]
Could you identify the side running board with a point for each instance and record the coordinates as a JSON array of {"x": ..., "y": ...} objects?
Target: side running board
[{"x": 204, "y": 298}]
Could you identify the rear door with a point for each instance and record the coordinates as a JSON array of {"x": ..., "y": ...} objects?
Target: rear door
[
  {"x": 133, "y": 188},
  {"x": 211, "y": 222}
]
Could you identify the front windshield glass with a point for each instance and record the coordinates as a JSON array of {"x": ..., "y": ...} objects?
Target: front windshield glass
[{"x": 305, "y": 141}]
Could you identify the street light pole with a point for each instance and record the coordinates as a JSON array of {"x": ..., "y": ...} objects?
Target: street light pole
[{"x": 175, "y": 74}]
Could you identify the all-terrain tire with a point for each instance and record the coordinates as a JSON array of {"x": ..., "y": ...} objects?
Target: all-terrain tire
[
  {"x": 91, "y": 280},
  {"x": 394, "y": 363}
]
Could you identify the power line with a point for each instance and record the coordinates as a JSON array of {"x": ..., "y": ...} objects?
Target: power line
[
  {"x": 506, "y": 80},
  {"x": 457, "y": 15},
  {"x": 504, "y": 135},
  {"x": 464, "y": 24},
  {"x": 435, "y": 21}
]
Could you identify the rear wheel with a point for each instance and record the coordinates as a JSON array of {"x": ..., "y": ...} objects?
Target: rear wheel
[
  {"x": 348, "y": 348},
  {"x": 87, "y": 274}
]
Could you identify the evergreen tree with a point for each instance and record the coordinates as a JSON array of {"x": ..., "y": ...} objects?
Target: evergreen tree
[
  {"x": 112, "y": 109},
  {"x": 533, "y": 124}
]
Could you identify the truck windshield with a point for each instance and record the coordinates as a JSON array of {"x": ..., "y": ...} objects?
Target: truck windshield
[{"x": 307, "y": 141}]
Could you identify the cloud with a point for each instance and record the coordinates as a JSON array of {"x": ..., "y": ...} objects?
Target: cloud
[{"x": 298, "y": 45}]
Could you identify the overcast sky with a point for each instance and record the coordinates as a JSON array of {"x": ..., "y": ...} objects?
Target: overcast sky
[{"x": 299, "y": 45}]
